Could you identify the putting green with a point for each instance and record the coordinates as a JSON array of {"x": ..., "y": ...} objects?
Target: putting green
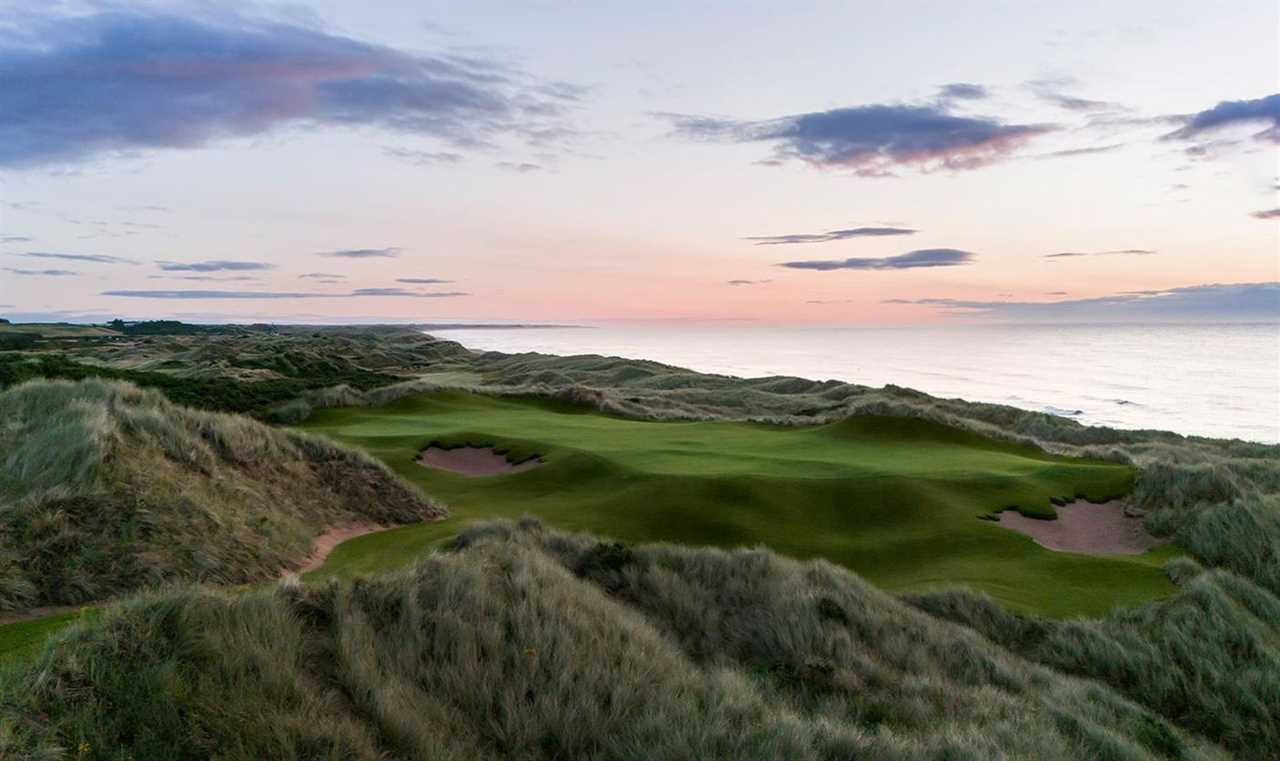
[{"x": 897, "y": 500}]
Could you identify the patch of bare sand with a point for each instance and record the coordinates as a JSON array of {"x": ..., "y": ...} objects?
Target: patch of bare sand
[
  {"x": 322, "y": 545},
  {"x": 473, "y": 461},
  {"x": 1094, "y": 529}
]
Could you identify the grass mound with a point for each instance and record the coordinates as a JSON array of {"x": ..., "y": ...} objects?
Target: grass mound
[
  {"x": 106, "y": 488},
  {"x": 525, "y": 643},
  {"x": 897, "y": 500}
]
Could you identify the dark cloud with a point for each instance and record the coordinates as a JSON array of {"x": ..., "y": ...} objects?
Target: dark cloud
[
  {"x": 1116, "y": 252},
  {"x": 1067, "y": 153},
  {"x": 216, "y": 265},
  {"x": 1236, "y": 301},
  {"x": 96, "y": 258},
  {"x": 522, "y": 168},
  {"x": 403, "y": 292},
  {"x": 424, "y": 158},
  {"x": 363, "y": 253},
  {"x": 1057, "y": 293},
  {"x": 1267, "y": 214},
  {"x": 962, "y": 91},
  {"x": 925, "y": 257},
  {"x": 748, "y": 282},
  {"x": 421, "y": 280},
  {"x": 49, "y": 273},
  {"x": 205, "y": 278},
  {"x": 1265, "y": 111},
  {"x": 129, "y": 78},
  {"x": 259, "y": 295},
  {"x": 873, "y": 140},
  {"x": 832, "y": 235}
]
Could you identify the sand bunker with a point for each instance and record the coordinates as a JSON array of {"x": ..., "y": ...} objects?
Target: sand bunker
[
  {"x": 473, "y": 461},
  {"x": 322, "y": 545},
  {"x": 1101, "y": 529}
]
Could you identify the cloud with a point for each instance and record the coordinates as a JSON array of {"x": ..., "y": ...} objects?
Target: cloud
[
  {"x": 1117, "y": 252},
  {"x": 205, "y": 278},
  {"x": 124, "y": 79},
  {"x": 1267, "y": 214},
  {"x": 832, "y": 235},
  {"x": 15, "y": 239},
  {"x": 962, "y": 91},
  {"x": 363, "y": 253},
  {"x": 96, "y": 258},
  {"x": 421, "y": 280},
  {"x": 216, "y": 265},
  {"x": 748, "y": 282},
  {"x": 522, "y": 168},
  {"x": 1231, "y": 113},
  {"x": 321, "y": 276},
  {"x": 1057, "y": 293},
  {"x": 1235, "y": 301},
  {"x": 258, "y": 295},
  {"x": 873, "y": 140},
  {"x": 829, "y": 301},
  {"x": 1067, "y": 153},
  {"x": 1052, "y": 90},
  {"x": 925, "y": 257},
  {"x": 424, "y": 158},
  {"x": 49, "y": 273}
]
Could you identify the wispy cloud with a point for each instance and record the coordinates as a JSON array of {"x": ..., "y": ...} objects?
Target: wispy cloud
[
  {"x": 129, "y": 78},
  {"x": 260, "y": 295},
  {"x": 215, "y": 265},
  {"x": 520, "y": 168},
  {"x": 1266, "y": 214},
  {"x": 206, "y": 278},
  {"x": 1116, "y": 252},
  {"x": 962, "y": 91},
  {"x": 96, "y": 258},
  {"x": 48, "y": 273},
  {"x": 831, "y": 235},
  {"x": 15, "y": 239},
  {"x": 925, "y": 257},
  {"x": 321, "y": 276},
  {"x": 424, "y": 158},
  {"x": 748, "y": 282},
  {"x": 873, "y": 140},
  {"x": 363, "y": 253},
  {"x": 421, "y": 280},
  {"x": 1087, "y": 151},
  {"x": 1054, "y": 90},
  {"x": 1235, "y": 301}
]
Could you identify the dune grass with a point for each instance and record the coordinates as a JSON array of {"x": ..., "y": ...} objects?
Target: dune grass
[
  {"x": 106, "y": 488},
  {"x": 897, "y": 500},
  {"x": 531, "y": 644}
]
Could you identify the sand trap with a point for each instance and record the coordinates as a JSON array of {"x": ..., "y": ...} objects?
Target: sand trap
[
  {"x": 473, "y": 461},
  {"x": 322, "y": 545},
  {"x": 1081, "y": 526}
]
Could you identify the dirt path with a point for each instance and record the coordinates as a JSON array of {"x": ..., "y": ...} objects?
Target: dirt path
[
  {"x": 323, "y": 544},
  {"x": 473, "y": 461},
  {"x": 1093, "y": 529}
]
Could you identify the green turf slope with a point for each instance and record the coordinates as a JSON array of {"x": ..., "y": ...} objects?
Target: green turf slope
[{"x": 897, "y": 500}]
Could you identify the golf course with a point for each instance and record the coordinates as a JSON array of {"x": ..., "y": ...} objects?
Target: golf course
[{"x": 900, "y": 501}]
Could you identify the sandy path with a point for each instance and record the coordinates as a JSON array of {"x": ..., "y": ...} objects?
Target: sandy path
[
  {"x": 473, "y": 461},
  {"x": 1094, "y": 529},
  {"x": 322, "y": 545}
]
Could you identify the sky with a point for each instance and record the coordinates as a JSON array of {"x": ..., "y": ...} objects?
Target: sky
[{"x": 822, "y": 162}]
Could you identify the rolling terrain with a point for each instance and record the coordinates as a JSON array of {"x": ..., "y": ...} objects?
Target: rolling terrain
[{"x": 897, "y": 500}]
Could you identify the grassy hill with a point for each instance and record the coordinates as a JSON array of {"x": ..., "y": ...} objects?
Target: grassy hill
[
  {"x": 526, "y": 643},
  {"x": 106, "y": 488},
  {"x": 896, "y": 499}
]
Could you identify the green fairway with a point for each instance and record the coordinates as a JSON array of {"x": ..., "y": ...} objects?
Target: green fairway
[{"x": 897, "y": 500}]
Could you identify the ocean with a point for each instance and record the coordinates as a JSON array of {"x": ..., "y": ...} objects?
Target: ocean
[{"x": 1220, "y": 380}]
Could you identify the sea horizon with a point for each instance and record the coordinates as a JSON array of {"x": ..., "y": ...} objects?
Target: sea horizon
[{"x": 1214, "y": 379}]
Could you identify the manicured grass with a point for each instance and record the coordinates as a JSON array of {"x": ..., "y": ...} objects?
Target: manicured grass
[
  {"x": 897, "y": 500},
  {"x": 22, "y": 639}
]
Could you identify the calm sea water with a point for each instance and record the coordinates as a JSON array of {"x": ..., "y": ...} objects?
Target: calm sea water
[{"x": 1212, "y": 380}]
